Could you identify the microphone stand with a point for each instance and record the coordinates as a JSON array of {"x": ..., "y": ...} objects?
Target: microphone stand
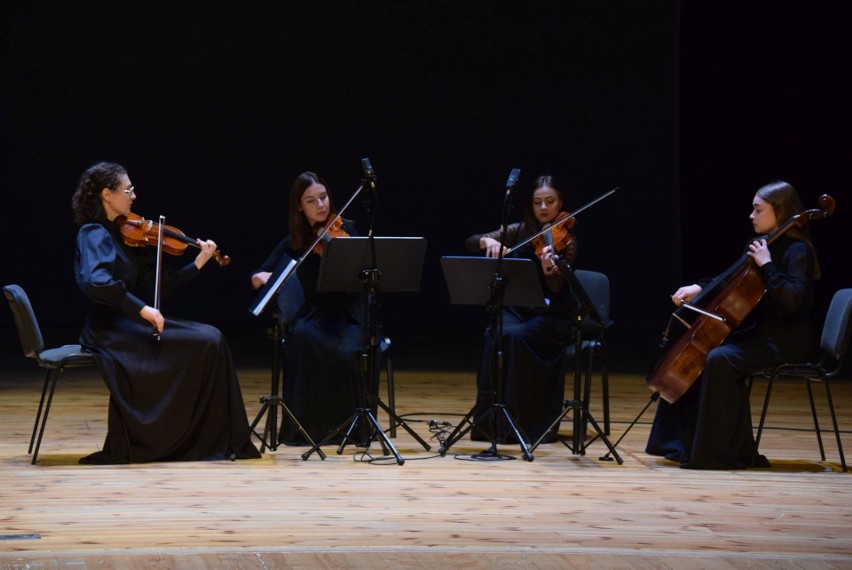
[
  {"x": 494, "y": 406},
  {"x": 364, "y": 418},
  {"x": 271, "y": 403}
]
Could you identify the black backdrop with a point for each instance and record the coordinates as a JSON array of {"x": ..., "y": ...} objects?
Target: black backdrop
[{"x": 214, "y": 108}]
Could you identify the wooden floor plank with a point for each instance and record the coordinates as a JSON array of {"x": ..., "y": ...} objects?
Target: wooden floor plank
[{"x": 560, "y": 510}]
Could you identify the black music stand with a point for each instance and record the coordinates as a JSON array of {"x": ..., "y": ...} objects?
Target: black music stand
[
  {"x": 485, "y": 281},
  {"x": 350, "y": 265},
  {"x": 283, "y": 286},
  {"x": 578, "y": 405}
]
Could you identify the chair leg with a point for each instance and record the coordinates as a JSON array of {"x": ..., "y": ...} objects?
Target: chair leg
[
  {"x": 384, "y": 349},
  {"x": 47, "y": 378},
  {"x": 587, "y": 387},
  {"x": 55, "y": 378},
  {"x": 762, "y": 419},
  {"x": 605, "y": 386},
  {"x": 600, "y": 348},
  {"x": 816, "y": 422},
  {"x": 834, "y": 422},
  {"x": 391, "y": 396}
]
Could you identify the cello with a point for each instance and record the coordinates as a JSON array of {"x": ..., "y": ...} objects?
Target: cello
[{"x": 683, "y": 363}]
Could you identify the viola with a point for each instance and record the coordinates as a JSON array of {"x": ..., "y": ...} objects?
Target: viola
[
  {"x": 681, "y": 366},
  {"x": 557, "y": 234},
  {"x": 335, "y": 230},
  {"x": 136, "y": 231}
]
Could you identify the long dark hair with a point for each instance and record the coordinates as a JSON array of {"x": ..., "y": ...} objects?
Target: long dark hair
[
  {"x": 301, "y": 234},
  {"x": 530, "y": 223},
  {"x": 785, "y": 204},
  {"x": 86, "y": 201}
]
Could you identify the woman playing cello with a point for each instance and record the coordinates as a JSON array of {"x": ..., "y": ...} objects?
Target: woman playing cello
[
  {"x": 172, "y": 399},
  {"x": 534, "y": 338},
  {"x": 710, "y": 427}
]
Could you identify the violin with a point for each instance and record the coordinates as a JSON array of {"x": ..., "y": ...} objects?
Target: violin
[
  {"x": 333, "y": 231},
  {"x": 136, "y": 231},
  {"x": 556, "y": 234}
]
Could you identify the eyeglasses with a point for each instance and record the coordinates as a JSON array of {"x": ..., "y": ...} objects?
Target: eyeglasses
[{"x": 129, "y": 190}]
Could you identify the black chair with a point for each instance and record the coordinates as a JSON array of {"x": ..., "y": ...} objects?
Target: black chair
[
  {"x": 833, "y": 347},
  {"x": 384, "y": 349},
  {"x": 55, "y": 360},
  {"x": 597, "y": 286}
]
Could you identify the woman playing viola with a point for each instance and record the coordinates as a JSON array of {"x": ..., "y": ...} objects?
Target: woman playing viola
[
  {"x": 534, "y": 338},
  {"x": 710, "y": 427},
  {"x": 323, "y": 374},
  {"x": 173, "y": 399}
]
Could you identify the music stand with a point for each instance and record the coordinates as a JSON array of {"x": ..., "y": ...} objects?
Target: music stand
[
  {"x": 350, "y": 265},
  {"x": 283, "y": 286},
  {"x": 578, "y": 405},
  {"x": 474, "y": 280}
]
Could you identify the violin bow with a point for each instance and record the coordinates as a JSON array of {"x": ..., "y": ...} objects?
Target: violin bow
[
  {"x": 158, "y": 279},
  {"x": 562, "y": 221}
]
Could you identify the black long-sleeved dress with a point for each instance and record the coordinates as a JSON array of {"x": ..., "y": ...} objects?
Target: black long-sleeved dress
[
  {"x": 710, "y": 426},
  {"x": 322, "y": 375},
  {"x": 173, "y": 399},
  {"x": 534, "y": 341}
]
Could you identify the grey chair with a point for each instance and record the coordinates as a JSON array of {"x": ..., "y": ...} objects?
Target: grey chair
[
  {"x": 54, "y": 360},
  {"x": 833, "y": 347},
  {"x": 594, "y": 339}
]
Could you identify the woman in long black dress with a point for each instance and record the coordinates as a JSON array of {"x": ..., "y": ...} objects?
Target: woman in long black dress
[
  {"x": 710, "y": 426},
  {"x": 173, "y": 399},
  {"x": 324, "y": 337},
  {"x": 534, "y": 338}
]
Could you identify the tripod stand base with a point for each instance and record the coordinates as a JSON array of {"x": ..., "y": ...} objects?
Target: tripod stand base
[
  {"x": 493, "y": 413},
  {"x": 581, "y": 416},
  {"x": 365, "y": 418},
  {"x": 270, "y": 407}
]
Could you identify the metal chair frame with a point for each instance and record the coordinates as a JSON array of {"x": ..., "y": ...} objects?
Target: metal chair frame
[
  {"x": 54, "y": 360},
  {"x": 594, "y": 337},
  {"x": 833, "y": 347}
]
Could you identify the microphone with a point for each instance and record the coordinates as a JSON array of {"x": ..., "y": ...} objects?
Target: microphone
[
  {"x": 513, "y": 179},
  {"x": 369, "y": 174}
]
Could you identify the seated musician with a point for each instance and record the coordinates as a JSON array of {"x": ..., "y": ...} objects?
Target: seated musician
[
  {"x": 710, "y": 426},
  {"x": 322, "y": 376},
  {"x": 534, "y": 338},
  {"x": 173, "y": 397}
]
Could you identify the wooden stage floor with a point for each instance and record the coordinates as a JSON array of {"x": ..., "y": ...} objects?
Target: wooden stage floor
[{"x": 359, "y": 510}]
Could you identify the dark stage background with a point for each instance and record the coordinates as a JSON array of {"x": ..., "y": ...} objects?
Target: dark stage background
[{"x": 214, "y": 108}]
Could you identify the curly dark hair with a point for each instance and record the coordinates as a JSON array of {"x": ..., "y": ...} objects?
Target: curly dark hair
[{"x": 86, "y": 201}]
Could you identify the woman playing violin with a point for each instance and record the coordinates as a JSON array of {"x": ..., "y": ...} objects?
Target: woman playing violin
[
  {"x": 323, "y": 337},
  {"x": 172, "y": 399},
  {"x": 710, "y": 427},
  {"x": 534, "y": 338}
]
